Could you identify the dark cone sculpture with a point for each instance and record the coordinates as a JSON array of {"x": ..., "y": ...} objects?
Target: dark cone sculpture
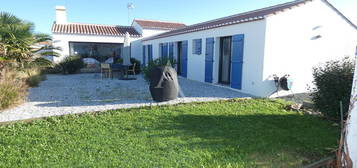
[{"x": 163, "y": 84}]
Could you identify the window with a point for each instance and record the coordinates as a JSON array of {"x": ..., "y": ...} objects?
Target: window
[
  {"x": 197, "y": 46},
  {"x": 160, "y": 49},
  {"x": 163, "y": 50},
  {"x": 99, "y": 51}
]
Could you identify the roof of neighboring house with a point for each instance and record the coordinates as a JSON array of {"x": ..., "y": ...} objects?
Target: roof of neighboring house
[
  {"x": 254, "y": 15},
  {"x": 94, "y": 29},
  {"x": 155, "y": 24}
]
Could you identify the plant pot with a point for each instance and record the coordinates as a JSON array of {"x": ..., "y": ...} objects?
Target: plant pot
[{"x": 163, "y": 83}]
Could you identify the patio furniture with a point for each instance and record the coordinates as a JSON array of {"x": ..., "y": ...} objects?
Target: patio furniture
[
  {"x": 106, "y": 70},
  {"x": 132, "y": 70},
  {"x": 122, "y": 69}
]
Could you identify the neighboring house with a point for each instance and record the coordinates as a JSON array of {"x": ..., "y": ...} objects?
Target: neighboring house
[
  {"x": 102, "y": 41},
  {"x": 149, "y": 28},
  {"x": 244, "y": 51}
]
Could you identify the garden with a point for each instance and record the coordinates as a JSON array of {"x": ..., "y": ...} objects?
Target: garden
[{"x": 222, "y": 133}]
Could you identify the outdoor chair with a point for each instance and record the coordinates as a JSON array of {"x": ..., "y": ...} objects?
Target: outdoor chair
[
  {"x": 106, "y": 70},
  {"x": 132, "y": 70}
]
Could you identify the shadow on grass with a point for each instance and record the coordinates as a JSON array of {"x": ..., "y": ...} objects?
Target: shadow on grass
[{"x": 295, "y": 139}]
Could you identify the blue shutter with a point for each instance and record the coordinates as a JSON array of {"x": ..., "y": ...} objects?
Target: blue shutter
[
  {"x": 161, "y": 50},
  {"x": 144, "y": 56},
  {"x": 209, "y": 60},
  {"x": 197, "y": 46},
  {"x": 171, "y": 51},
  {"x": 184, "y": 59},
  {"x": 194, "y": 46},
  {"x": 237, "y": 61},
  {"x": 165, "y": 50},
  {"x": 150, "y": 53}
]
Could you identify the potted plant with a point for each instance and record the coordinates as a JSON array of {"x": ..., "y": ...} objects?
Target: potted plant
[{"x": 162, "y": 78}]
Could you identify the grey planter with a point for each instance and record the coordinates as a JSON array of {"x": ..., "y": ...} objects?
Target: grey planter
[{"x": 163, "y": 84}]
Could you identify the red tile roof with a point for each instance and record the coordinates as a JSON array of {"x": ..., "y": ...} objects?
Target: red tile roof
[
  {"x": 153, "y": 24},
  {"x": 231, "y": 20},
  {"x": 94, "y": 29}
]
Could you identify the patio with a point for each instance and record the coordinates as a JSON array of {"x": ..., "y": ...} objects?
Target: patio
[{"x": 70, "y": 94}]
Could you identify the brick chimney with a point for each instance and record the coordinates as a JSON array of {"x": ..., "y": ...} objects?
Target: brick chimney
[{"x": 61, "y": 15}]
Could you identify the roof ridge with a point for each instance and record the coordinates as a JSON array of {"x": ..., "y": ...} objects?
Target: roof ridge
[
  {"x": 162, "y": 21},
  {"x": 242, "y": 17},
  {"x": 77, "y": 23},
  {"x": 252, "y": 11}
]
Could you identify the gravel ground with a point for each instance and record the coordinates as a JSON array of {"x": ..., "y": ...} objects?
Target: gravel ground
[{"x": 60, "y": 95}]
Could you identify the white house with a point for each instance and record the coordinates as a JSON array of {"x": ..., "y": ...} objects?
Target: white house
[
  {"x": 244, "y": 51},
  {"x": 149, "y": 28},
  {"x": 102, "y": 41},
  {"x": 351, "y": 123}
]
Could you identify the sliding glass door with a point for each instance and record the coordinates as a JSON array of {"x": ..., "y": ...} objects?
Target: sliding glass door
[
  {"x": 225, "y": 60},
  {"x": 99, "y": 51}
]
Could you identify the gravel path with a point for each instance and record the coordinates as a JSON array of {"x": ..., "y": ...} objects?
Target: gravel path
[{"x": 60, "y": 95}]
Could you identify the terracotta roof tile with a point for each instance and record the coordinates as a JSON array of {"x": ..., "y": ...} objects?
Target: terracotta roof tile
[
  {"x": 230, "y": 20},
  {"x": 94, "y": 29},
  {"x": 152, "y": 24}
]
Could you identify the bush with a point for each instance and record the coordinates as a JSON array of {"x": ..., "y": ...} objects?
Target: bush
[
  {"x": 138, "y": 64},
  {"x": 33, "y": 77},
  {"x": 71, "y": 64},
  {"x": 333, "y": 83},
  {"x": 12, "y": 90},
  {"x": 56, "y": 69},
  {"x": 157, "y": 62},
  {"x": 34, "y": 80}
]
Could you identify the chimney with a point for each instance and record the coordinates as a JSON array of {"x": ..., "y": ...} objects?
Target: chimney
[{"x": 61, "y": 15}]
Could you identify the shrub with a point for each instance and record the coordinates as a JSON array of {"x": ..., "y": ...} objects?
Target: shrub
[
  {"x": 12, "y": 89},
  {"x": 157, "y": 62},
  {"x": 56, "y": 69},
  {"x": 71, "y": 64},
  {"x": 138, "y": 64},
  {"x": 34, "y": 80},
  {"x": 333, "y": 83}
]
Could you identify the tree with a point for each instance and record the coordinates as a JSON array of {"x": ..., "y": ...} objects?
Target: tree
[{"x": 18, "y": 43}]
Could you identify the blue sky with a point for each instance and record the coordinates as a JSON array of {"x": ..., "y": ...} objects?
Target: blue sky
[{"x": 42, "y": 12}]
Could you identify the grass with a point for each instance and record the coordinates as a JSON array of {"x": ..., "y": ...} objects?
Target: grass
[{"x": 236, "y": 133}]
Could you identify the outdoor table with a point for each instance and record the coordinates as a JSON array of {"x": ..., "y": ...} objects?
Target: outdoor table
[{"x": 120, "y": 68}]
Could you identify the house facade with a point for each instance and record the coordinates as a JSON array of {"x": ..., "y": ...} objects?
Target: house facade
[
  {"x": 102, "y": 41},
  {"x": 245, "y": 51}
]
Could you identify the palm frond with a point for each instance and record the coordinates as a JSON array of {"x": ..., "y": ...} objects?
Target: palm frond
[{"x": 49, "y": 53}]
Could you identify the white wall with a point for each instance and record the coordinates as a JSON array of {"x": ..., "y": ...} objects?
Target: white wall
[
  {"x": 290, "y": 49},
  {"x": 62, "y": 40},
  {"x": 253, "y": 52},
  {"x": 352, "y": 125}
]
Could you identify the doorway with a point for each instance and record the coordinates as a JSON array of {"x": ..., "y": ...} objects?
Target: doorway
[
  {"x": 179, "y": 57},
  {"x": 225, "y": 60}
]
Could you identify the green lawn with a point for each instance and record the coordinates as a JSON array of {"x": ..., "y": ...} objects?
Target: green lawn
[{"x": 236, "y": 133}]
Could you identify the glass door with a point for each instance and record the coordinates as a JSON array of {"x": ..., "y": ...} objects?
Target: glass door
[
  {"x": 225, "y": 60},
  {"x": 179, "y": 57}
]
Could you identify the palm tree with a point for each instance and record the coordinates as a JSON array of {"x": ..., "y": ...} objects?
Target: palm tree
[{"x": 18, "y": 41}]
